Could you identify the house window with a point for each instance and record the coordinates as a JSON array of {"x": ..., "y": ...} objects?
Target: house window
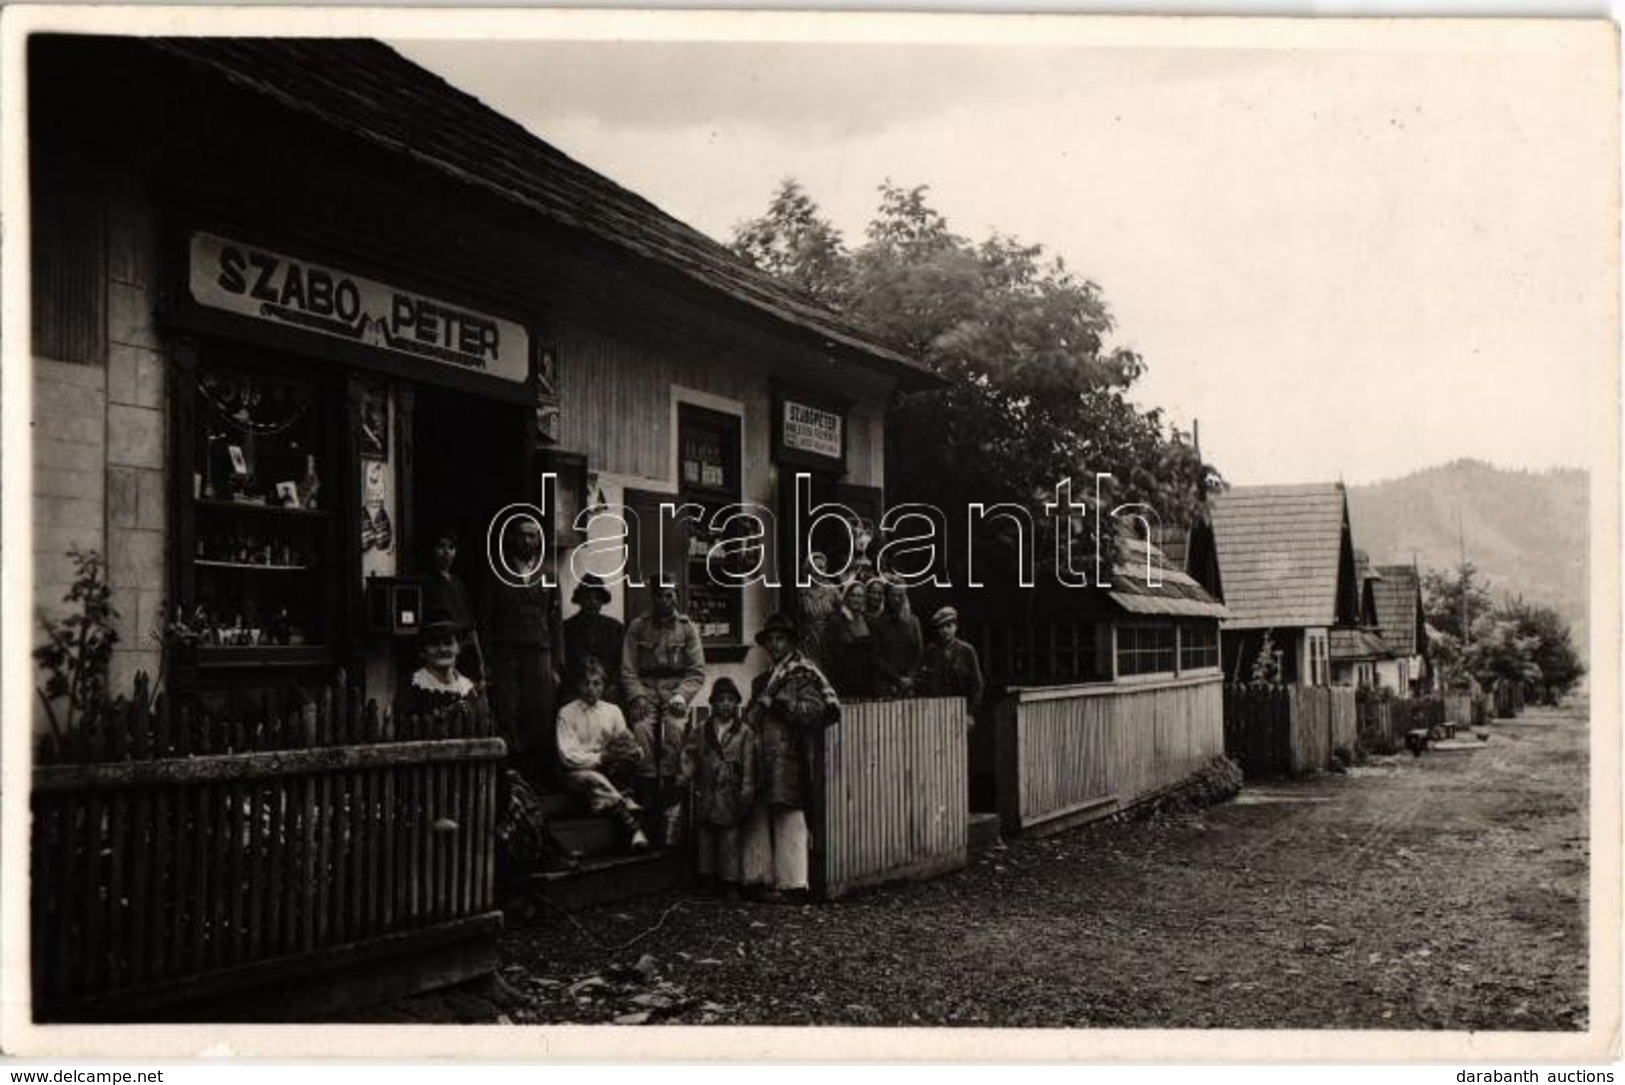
[
  {"x": 1145, "y": 649},
  {"x": 1198, "y": 646},
  {"x": 709, "y": 477},
  {"x": 1320, "y": 666}
]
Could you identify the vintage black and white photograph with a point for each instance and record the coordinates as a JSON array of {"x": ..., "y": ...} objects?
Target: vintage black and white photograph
[{"x": 1042, "y": 524}]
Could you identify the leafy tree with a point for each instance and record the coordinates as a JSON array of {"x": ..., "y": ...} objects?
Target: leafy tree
[
  {"x": 1500, "y": 653},
  {"x": 1034, "y": 392},
  {"x": 794, "y": 242},
  {"x": 1553, "y": 646},
  {"x": 1450, "y": 597}
]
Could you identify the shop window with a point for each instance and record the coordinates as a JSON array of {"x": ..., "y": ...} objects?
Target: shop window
[
  {"x": 709, "y": 478},
  {"x": 1145, "y": 649},
  {"x": 1198, "y": 646},
  {"x": 257, "y": 536}
]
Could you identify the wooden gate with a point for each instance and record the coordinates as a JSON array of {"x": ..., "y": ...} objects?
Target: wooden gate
[
  {"x": 893, "y": 793},
  {"x": 284, "y": 861}
]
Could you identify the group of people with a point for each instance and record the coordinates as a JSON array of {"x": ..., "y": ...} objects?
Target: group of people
[
  {"x": 865, "y": 636},
  {"x": 626, "y": 740}
]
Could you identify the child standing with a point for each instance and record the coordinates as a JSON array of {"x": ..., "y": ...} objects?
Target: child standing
[{"x": 719, "y": 764}]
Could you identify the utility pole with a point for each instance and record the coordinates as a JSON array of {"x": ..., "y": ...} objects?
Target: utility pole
[{"x": 1461, "y": 573}]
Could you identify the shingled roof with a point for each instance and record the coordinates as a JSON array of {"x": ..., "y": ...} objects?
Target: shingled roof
[
  {"x": 369, "y": 91},
  {"x": 1282, "y": 552},
  {"x": 1399, "y": 609},
  {"x": 1176, "y": 593},
  {"x": 1346, "y": 645}
]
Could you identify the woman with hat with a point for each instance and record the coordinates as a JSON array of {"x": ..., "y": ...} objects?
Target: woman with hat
[
  {"x": 591, "y": 634},
  {"x": 790, "y": 703},
  {"x": 439, "y": 701}
]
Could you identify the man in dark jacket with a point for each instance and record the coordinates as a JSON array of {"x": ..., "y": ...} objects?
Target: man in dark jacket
[
  {"x": 590, "y": 633},
  {"x": 951, "y": 668},
  {"x": 522, "y": 618}
]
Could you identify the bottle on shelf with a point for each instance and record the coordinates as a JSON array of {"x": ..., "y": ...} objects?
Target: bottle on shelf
[{"x": 312, "y": 484}]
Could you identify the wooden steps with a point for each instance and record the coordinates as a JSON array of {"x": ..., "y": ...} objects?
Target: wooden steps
[
  {"x": 983, "y": 834},
  {"x": 600, "y": 880}
]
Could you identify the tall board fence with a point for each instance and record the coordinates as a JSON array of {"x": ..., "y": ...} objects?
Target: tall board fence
[
  {"x": 1287, "y": 730},
  {"x": 1507, "y": 698},
  {"x": 1385, "y": 721},
  {"x": 892, "y": 793},
  {"x": 1067, "y": 754},
  {"x": 293, "y": 852}
]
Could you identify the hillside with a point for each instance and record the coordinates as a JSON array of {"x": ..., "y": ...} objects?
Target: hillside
[{"x": 1526, "y": 531}]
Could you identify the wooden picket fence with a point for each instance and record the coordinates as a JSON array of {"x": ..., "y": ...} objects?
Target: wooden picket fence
[{"x": 278, "y": 856}]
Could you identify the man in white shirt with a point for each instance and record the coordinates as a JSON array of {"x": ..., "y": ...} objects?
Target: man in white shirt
[{"x": 598, "y": 754}]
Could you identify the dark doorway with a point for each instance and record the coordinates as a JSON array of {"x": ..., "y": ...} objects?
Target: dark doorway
[{"x": 470, "y": 459}]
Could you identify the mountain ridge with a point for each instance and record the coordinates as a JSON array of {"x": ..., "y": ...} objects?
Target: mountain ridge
[{"x": 1526, "y": 531}]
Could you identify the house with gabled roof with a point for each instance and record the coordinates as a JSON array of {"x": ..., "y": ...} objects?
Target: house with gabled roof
[
  {"x": 1398, "y": 600},
  {"x": 1285, "y": 558},
  {"x": 1357, "y": 652}
]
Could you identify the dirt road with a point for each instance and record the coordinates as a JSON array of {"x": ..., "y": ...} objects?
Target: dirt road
[{"x": 1447, "y": 892}]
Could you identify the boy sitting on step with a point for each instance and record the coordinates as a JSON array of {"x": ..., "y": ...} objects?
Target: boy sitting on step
[{"x": 599, "y": 755}]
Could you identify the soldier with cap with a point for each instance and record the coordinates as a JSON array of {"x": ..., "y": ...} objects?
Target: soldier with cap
[
  {"x": 950, "y": 667},
  {"x": 662, "y": 671},
  {"x": 591, "y": 634}
]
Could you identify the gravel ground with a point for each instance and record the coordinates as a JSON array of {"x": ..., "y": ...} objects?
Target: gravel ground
[{"x": 1442, "y": 893}]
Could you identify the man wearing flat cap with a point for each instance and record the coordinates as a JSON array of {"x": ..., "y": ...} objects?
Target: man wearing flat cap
[{"x": 950, "y": 667}]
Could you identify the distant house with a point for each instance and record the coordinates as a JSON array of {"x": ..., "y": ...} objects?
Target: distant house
[
  {"x": 1399, "y": 617},
  {"x": 1284, "y": 556},
  {"x": 1356, "y": 653}
]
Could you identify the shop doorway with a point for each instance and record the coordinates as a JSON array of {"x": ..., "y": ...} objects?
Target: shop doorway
[{"x": 470, "y": 458}]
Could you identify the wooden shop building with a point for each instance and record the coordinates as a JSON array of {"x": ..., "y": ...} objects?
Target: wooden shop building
[{"x": 296, "y": 305}]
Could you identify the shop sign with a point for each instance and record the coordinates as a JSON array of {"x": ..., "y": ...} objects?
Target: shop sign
[
  {"x": 814, "y": 431},
  {"x": 270, "y": 286}
]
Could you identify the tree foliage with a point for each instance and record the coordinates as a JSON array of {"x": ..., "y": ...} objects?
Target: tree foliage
[
  {"x": 1553, "y": 653},
  {"x": 1034, "y": 394},
  {"x": 1516, "y": 642},
  {"x": 1455, "y": 600}
]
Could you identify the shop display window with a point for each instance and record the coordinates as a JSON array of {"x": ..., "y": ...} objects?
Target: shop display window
[
  {"x": 258, "y": 541},
  {"x": 709, "y": 478}
]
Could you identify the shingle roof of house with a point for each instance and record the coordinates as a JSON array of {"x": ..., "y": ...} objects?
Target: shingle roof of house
[
  {"x": 1280, "y": 548},
  {"x": 1398, "y": 607},
  {"x": 1175, "y": 593},
  {"x": 368, "y": 90},
  {"x": 1351, "y": 644},
  {"x": 1174, "y": 542}
]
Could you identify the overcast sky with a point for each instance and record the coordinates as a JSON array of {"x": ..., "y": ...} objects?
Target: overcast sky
[{"x": 1347, "y": 262}]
